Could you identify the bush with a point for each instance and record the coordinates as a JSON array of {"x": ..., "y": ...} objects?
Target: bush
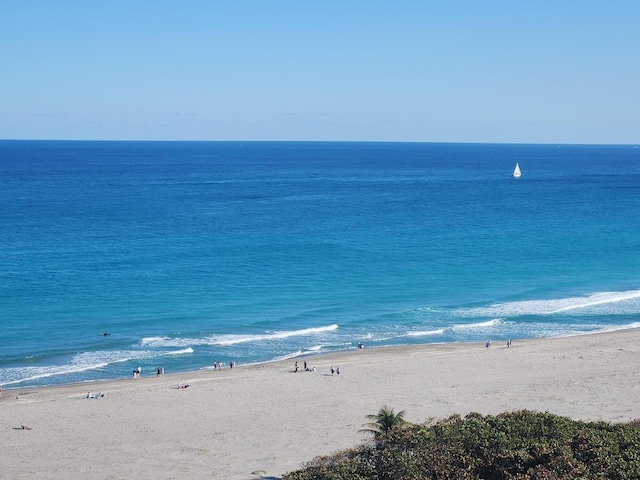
[{"x": 517, "y": 445}]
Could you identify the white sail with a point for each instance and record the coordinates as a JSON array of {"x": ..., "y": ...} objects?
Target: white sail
[{"x": 516, "y": 171}]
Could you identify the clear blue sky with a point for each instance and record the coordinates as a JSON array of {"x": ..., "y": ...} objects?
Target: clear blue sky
[{"x": 460, "y": 71}]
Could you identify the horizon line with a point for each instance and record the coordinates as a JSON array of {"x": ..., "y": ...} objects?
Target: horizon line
[{"x": 314, "y": 141}]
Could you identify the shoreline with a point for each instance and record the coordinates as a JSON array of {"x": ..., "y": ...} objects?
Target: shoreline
[
  {"x": 9, "y": 388},
  {"x": 263, "y": 417}
]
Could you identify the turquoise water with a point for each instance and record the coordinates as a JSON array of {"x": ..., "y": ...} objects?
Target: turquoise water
[{"x": 193, "y": 252}]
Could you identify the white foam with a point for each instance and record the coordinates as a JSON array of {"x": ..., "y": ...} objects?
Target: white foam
[
  {"x": 478, "y": 325},
  {"x": 288, "y": 356},
  {"x": 234, "y": 339},
  {"x": 152, "y": 340},
  {"x": 226, "y": 340},
  {"x": 79, "y": 363},
  {"x": 600, "y": 303},
  {"x": 426, "y": 333},
  {"x": 180, "y": 352},
  {"x": 618, "y": 327},
  {"x": 600, "y": 299}
]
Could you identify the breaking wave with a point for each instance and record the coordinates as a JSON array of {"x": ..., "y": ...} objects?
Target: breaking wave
[
  {"x": 225, "y": 340},
  {"x": 600, "y": 303}
]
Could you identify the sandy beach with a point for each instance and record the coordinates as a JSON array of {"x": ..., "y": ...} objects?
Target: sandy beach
[{"x": 231, "y": 423}]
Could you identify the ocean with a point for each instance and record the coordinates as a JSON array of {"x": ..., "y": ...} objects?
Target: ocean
[{"x": 189, "y": 253}]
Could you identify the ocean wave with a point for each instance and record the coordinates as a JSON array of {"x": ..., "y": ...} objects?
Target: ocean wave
[
  {"x": 599, "y": 303},
  {"x": 180, "y": 352},
  {"x": 555, "y": 330},
  {"x": 425, "y": 333},
  {"x": 477, "y": 325},
  {"x": 616, "y": 328},
  {"x": 152, "y": 340},
  {"x": 288, "y": 356},
  {"x": 631, "y": 298},
  {"x": 226, "y": 340},
  {"x": 79, "y": 363}
]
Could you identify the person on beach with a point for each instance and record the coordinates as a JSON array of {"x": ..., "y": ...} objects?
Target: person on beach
[
  {"x": 488, "y": 344},
  {"x": 338, "y": 370},
  {"x": 296, "y": 368},
  {"x": 24, "y": 427},
  {"x": 333, "y": 370},
  {"x": 509, "y": 343}
]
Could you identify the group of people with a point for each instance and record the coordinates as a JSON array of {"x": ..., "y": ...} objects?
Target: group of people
[
  {"x": 160, "y": 371},
  {"x": 219, "y": 365},
  {"x": 488, "y": 343},
  {"x": 137, "y": 371},
  {"x": 307, "y": 368},
  {"x": 95, "y": 395}
]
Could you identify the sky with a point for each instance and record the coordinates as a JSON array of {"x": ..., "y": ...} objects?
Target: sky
[{"x": 416, "y": 71}]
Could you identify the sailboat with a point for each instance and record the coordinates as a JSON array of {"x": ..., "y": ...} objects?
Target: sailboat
[{"x": 516, "y": 171}]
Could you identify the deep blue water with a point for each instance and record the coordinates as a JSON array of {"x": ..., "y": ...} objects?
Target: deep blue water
[{"x": 193, "y": 252}]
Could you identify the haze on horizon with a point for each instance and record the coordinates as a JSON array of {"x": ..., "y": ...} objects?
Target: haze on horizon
[{"x": 425, "y": 71}]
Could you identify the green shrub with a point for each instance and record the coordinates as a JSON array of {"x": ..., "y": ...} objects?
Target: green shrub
[{"x": 517, "y": 445}]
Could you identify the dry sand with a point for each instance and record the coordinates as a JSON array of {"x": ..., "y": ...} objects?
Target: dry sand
[{"x": 231, "y": 423}]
